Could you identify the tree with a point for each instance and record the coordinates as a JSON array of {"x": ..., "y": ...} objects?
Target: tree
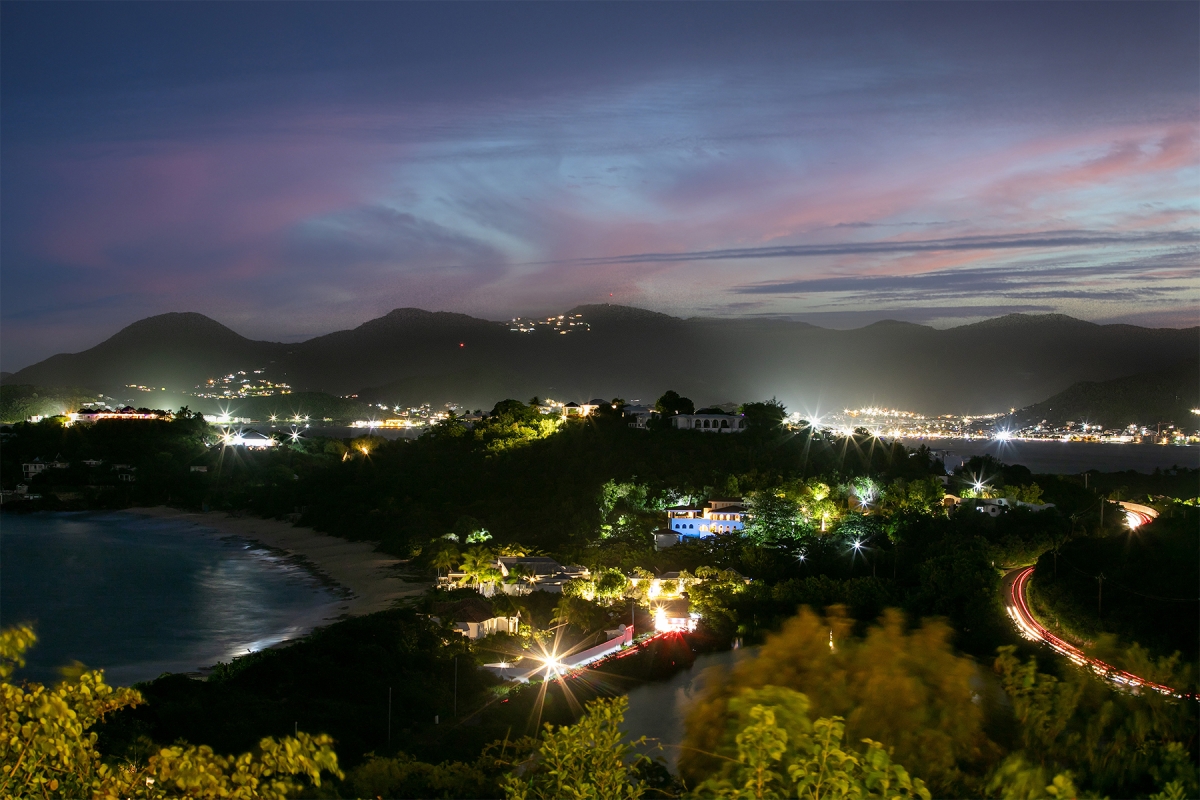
[
  {"x": 611, "y": 585},
  {"x": 478, "y": 536},
  {"x": 578, "y": 611},
  {"x": 1079, "y": 729},
  {"x": 515, "y": 409},
  {"x": 915, "y": 497},
  {"x": 776, "y": 737},
  {"x": 405, "y": 776},
  {"x": 905, "y": 688},
  {"x": 586, "y": 761},
  {"x": 1024, "y": 494},
  {"x": 478, "y": 567},
  {"x": 959, "y": 582},
  {"x": 48, "y": 748},
  {"x": 671, "y": 403},
  {"x": 774, "y": 519},
  {"x": 815, "y": 504},
  {"x": 446, "y": 558},
  {"x": 766, "y": 416}
]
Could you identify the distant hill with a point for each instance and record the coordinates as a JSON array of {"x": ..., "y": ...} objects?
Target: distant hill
[
  {"x": 21, "y": 401},
  {"x": 411, "y": 356},
  {"x": 175, "y": 351},
  {"x": 1148, "y": 398}
]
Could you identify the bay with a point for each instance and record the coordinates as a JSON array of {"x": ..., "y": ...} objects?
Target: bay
[
  {"x": 1064, "y": 458},
  {"x": 139, "y": 596}
]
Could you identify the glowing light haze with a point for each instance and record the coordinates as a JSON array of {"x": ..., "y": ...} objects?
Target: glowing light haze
[{"x": 295, "y": 169}]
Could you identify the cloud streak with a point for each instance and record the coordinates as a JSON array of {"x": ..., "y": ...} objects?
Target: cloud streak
[{"x": 1016, "y": 241}]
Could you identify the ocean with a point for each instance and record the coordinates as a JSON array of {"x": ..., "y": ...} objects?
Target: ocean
[
  {"x": 1065, "y": 458},
  {"x": 140, "y": 596}
]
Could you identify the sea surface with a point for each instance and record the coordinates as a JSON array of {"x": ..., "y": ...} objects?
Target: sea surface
[
  {"x": 658, "y": 710},
  {"x": 1065, "y": 458},
  {"x": 139, "y": 596}
]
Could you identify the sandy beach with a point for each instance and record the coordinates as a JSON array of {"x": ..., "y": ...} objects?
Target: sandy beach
[{"x": 373, "y": 581}]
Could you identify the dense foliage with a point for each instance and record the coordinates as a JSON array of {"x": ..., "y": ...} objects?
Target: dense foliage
[
  {"x": 21, "y": 401},
  {"x": 336, "y": 681},
  {"x": 1150, "y": 592},
  {"x": 908, "y": 689},
  {"x": 781, "y": 754},
  {"x": 48, "y": 747},
  {"x": 899, "y": 603}
]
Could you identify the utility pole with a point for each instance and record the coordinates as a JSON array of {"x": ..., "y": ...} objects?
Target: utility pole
[
  {"x": 389, "y": 715},
  {"x": 456, "y": 687},
  {"x": 1100, "y": 595}
]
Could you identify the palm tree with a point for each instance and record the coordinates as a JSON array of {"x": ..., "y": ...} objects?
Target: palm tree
[
  {"x": 566, "y": 611},
  {"x": 478, "y": 567},
  {"x": 445, "y": 559}
]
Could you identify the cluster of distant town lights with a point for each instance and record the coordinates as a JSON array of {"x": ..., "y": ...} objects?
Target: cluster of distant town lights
[{"x": 845, "y": 426}]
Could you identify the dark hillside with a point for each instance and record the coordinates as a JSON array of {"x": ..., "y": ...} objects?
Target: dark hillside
[
  {"x": 176, "y": 351},
  {"x": 1151, "y": 592},
  {"x": 21, "y": 401},
  {"x": 1148, "y": 398},
  {"x": 410, "y": 356}
]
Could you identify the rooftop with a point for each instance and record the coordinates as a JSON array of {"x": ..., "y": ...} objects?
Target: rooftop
[{"x": 470, "y": 609}]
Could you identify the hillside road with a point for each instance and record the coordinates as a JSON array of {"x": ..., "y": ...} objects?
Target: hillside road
[{"x": 1014, "y": 587}]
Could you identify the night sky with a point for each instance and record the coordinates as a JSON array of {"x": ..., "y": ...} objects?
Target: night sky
[{"x": 290, "y": 170}]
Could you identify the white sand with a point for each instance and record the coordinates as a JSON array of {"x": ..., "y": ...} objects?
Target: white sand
[{"x": 373, "y": 579}]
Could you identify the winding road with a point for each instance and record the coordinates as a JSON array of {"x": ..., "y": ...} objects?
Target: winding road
[{"x": 1014, "y": 590}]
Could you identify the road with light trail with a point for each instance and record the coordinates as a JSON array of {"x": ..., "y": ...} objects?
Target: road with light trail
[{"x": 1015, "y": 583}]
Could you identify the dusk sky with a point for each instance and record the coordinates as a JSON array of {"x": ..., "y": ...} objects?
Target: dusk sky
[{"x": 294, "y": 169}]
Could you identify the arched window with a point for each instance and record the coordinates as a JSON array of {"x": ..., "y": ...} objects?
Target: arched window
[
  {"x": 706, "y": 423},
  {"x": 724, "y": 423}
]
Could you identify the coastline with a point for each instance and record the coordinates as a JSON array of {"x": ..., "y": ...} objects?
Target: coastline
[{"x": 372, "y": 581}]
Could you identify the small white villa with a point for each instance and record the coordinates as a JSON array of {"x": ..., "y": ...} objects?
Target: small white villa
[
  {"x": 710, "y": 423},
  {"x": 474, "y": 618}
]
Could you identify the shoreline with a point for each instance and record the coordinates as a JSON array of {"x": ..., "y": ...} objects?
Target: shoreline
[{"x": 368, "y": 580}]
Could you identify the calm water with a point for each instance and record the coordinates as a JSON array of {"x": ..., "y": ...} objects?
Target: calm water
[
  {"x": 138, "y": 596},
  {"x": 1066, "y": 458},
  {"x": 658, "y": 710}
]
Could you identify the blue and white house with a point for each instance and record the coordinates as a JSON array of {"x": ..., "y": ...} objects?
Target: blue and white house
[{"x": 719, "y": 515}]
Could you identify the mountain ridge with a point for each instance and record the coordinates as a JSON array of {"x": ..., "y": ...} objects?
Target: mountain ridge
[{"x": 412, "y": 355}]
